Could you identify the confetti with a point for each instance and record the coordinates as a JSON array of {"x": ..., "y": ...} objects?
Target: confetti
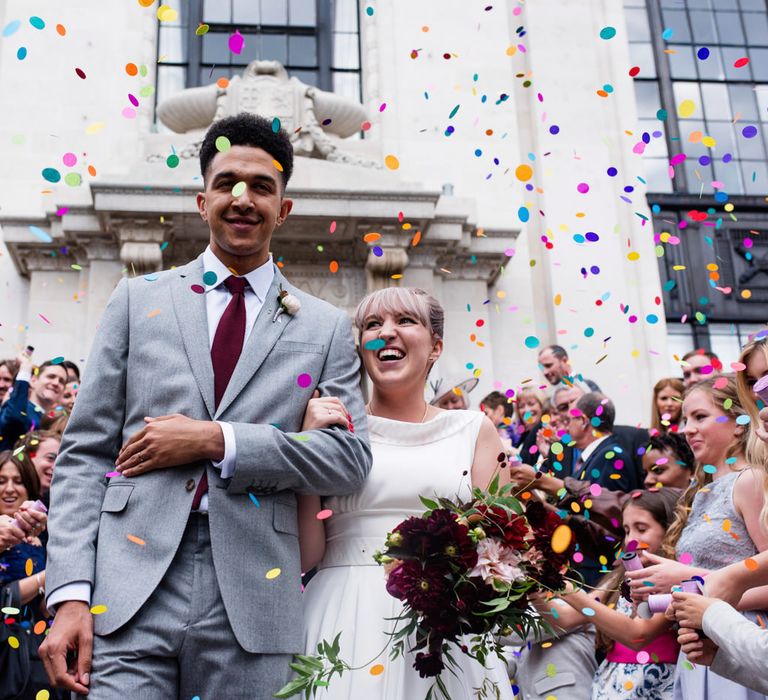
[
  {"x": 37, "y": 22},
  {"x": 51, "y": 174},
  {"x": 686, "y": 108},
  {"x": 39, "y": 627},
  {"x": 273, "y": 573},
  {"x": 98, "y": 609},
  {"x": 238, "y": 189},
  {"x": 588, "y": 612},
  {"x": 13, "y": 642},
  {"x": 202, "y": 29},
  {"x": 10, "y": 611},
  {"x": 165, "y": 13},
  {"x": 377, "y": 670},
  {"x": 136, "y": 540},
  {"x": 80, "y": 73},
  {"x": 210, "y": 278},
  {"x": 751, "y": 564},
  {"x": 392, "y": 162},
  {"x": 607, "y": 33},
  {"x": 333, "y": 266},
  {"x": 236, "y": 42},
  {"x": 277, "y": 165},
  {"x": 222, "y": 144},
  {"x": 561, "y": 539},
  {"x": 324, "y": 514},
  {"x": 375, "y": 344},
  {"x": 254, "y": 499},
  {"x": 44, "y": 319},
  {"x": 304, "y": 380}
]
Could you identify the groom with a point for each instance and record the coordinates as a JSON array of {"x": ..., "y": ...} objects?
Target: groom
[{"x": 180, "y": 576}]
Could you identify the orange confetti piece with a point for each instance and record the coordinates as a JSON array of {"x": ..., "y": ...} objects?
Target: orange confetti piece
[
  {"x": 416, "y": 238},
  {"x": 277, "y": 165},
  {"x": 61, "y": 30},
  {"x": 91, "y": 171},
  {"x": 561, "y": 539},
  {"x": 726, "y": 525},
  {"x": 392, "y": 162},
  {"x": 39, "y": 627},
  {"x": 371, "y": 237},
  {"x": 154, "y": 313},
  {"x": 751, "y": 564},
  {"x": 333, "y": 266},
  {"x": 223, "y": 83},
  {"x": 29, "y": 566},
  {"x": 377, "y": 670},
  {"x": 136, "y": 540},
  {"x": 131, "y": 69}
]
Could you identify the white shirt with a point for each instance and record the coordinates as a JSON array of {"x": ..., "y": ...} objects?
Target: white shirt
[
  {"x": 589, "y": 449},
  {"x": 217, "y": 298}
]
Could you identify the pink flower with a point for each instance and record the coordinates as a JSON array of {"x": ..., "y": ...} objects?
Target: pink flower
[{"x": 497, "y": 562}]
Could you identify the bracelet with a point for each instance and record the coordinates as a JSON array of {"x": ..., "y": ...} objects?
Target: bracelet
[{"x": 40, "y": 587}]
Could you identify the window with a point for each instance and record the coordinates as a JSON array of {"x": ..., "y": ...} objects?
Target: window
[
  {"x": 316, "y": 40},
  {"x": 695, "y": 50}
]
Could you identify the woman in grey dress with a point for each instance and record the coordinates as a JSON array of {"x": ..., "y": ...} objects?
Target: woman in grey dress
[{"x": 718, "y": 520}]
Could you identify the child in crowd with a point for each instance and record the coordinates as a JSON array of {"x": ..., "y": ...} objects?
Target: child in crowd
[
  {"x": 640, "y": 654},
  {"x": 668, "y": 461}
]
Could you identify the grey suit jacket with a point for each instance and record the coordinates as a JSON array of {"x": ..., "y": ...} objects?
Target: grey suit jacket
[
  {"x": 742, "y": 647},
  {"x": 145, "y": 363}
]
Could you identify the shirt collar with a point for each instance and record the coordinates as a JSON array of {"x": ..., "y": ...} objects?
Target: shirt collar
[
  {"x": 259, "y": 279},
  {"x": 589, "y": 449}
]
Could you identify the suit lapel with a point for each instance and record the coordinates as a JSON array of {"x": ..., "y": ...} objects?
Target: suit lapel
[
  {"x": 193, "y": 324},
  {"x": 262, "y": 339}
]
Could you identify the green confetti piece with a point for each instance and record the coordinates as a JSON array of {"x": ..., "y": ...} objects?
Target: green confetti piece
[{"x": 238, "y": 189}]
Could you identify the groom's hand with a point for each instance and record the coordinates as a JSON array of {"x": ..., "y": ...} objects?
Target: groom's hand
[
  {"x": 168, "y": 441},
  {"x": 70, "y": 637}
]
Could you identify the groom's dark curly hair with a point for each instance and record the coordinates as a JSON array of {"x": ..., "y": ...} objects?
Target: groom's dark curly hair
[{"x": 246, "y": 129}]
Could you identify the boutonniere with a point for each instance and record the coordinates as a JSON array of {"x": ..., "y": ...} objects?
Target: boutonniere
[{"x": 286, "y": 303}]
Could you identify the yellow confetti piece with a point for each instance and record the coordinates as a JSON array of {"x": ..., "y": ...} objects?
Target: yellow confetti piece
[
  {"x": 392, "y": 162},
  {"x": 561, "y": 539},
  {"x": 686, "y": 108},
  {"x": 511, "y": 50},
  {"x": 634, "y": 255},
  {"x": 524, "y": 172},
  {"x": 726, "y": 525},
  {"x": 273, "y": 573},
  {"x": 29, "y": 567},
  {"x": 136, "y": 540},
  {"x": 238, "y": 189},
  {"x": 277, "y": 166},
  {"x": 165, "y": 13},
  {"x": 546, "y": 645},
  {"x": 13, "y": 642},
  {"x": 95, "y": 128},
  {"x": 10, "y": 611},
  {"x": 377, "y": 670},
  {"x": 42, "y": 694},
  {"x": 98, "y": 609}
]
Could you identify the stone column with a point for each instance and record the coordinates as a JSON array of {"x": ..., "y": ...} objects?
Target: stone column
[
  {"x": 140, "y": 241},
  {"x": 380, "y": 268}
]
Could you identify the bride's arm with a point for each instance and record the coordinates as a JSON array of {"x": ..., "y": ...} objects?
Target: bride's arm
[
  {"x": 311, "y": 532},
  {"x": 487, "y": 450}
]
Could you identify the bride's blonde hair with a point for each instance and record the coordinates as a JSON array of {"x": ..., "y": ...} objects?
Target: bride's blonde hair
[{"x": 403, "y": 300}]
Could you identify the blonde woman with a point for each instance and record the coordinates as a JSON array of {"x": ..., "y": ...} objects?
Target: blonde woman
[
  {"x": 717, "y": 522},
  {"x": 418, "y": 449},
  {"x": 667, "y": 405}
]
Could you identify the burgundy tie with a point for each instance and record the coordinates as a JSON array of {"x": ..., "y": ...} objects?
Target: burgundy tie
[{"x": 225, "y": 352}]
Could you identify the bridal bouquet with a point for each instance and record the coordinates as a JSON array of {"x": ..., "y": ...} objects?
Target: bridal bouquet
[{"x": 464, "y": 572}]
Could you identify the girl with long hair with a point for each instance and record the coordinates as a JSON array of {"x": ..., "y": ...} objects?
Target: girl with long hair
[
  {"x": 667, "y": 405},
  {"x": 640, "y": 654},
  {"x": 718, "y": 519}
]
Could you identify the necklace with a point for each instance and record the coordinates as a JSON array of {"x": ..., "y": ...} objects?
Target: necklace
[{"x": 426, "y": 408}]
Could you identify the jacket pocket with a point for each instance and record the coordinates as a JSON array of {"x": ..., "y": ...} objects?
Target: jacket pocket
[
  {"x": 295, "y": 346},
  {"x": 543, "y": 686},
  {"x": 116, "y": 498},
  {"x": 285, "y": 518}
]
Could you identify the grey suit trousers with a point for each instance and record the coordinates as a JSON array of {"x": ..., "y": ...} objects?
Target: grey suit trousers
[{"x": 180, "y": 644}]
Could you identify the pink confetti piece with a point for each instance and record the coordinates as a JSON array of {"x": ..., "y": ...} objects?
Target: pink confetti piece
[
  {"x": 236, "y": 42},
  {"x": 44, "y": 319}
]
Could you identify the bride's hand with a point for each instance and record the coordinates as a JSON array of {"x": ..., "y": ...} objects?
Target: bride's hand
[{"x": 323, "y": 412}]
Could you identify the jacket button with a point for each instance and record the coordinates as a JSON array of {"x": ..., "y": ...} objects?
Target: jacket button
[{"x": 190, "y": 484}]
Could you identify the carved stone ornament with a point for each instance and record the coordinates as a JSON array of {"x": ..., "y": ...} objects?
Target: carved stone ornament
[{"x": 314, "y": 119}]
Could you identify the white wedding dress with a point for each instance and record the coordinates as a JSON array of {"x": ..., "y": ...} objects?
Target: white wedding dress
[{"x": 348, "y": 593}]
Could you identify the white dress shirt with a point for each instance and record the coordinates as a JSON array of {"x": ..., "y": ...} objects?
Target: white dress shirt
[{"x": 217, "y": 298}]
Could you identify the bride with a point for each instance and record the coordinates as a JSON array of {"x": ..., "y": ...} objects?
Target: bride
[{"x": 418, "y": 449}]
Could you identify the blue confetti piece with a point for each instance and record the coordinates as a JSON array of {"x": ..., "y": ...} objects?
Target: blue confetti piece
[
  {"x": 11, "y": 28},
  {"x": 255, "y": 500},
  {"x": 40, "y": 234},
  {"x": 376, "y": 344}
]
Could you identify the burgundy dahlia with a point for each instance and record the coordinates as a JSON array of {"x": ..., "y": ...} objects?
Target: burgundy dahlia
[
  {"x": 512, "y": 529},
  {"x": 429, "y": 664},
  {"x": 424, "y": 588},
  {"x": 440, "y": 536},
  {"x": 551, "y": 565}
]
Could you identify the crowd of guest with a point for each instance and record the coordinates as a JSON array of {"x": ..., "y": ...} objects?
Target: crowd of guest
[
  {"x": 685, "y": 494},
  {"x": 35, "y": 403}
]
